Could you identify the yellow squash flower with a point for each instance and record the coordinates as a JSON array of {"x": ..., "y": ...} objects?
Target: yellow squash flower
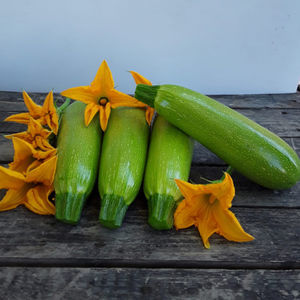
[
  {"x": 101, "y": 96},
  {"x": 207, "y": 207},
  {"x": 139, "y": 79},
  {"x": 26, "y": 157},
  {"x": 46, "y": 114},
  {"x": 31, "y": 188},
  {"x": 37, "y": 136}
]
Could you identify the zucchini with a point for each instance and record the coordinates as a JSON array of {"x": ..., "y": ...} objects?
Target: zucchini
[
  {"x": 169, "y": 157},
  {"x": 248, "y": 147},
  {"x": 122, "y": 163},
  {"x": 78, "y": 151}
]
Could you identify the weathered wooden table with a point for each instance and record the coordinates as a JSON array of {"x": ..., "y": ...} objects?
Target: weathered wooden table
[{"x": 41, "y": 258}]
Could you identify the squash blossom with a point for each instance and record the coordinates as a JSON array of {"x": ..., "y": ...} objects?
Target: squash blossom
[
  {"x": 45, "y": 115},
  {"x": 100, "y": 96},
  {"x": 26, "y": 157},
  {"x": 29, "y": 178},
  {"x": 37, "y": 136},
  {"x": 207, "y": 207},
  {"x": 139, "y": 79},
  {"x": 30, "y": 187}
]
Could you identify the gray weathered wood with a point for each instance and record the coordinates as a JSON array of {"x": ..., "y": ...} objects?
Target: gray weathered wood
[
  {"x": 41, "y": 239},
  {"x": 42, "y": 258},
  {"x": 235, "y": 101},
  {"x": 284, "y": 123},
  {"x": 6, "y": 150},
  {"x": 123, "y": 283}
]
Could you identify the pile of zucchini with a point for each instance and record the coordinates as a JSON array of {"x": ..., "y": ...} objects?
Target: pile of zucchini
[{"x": 126, "y": 156}]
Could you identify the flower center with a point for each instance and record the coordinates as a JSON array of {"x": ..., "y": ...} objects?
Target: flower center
[{"x": 102, "y": 101}]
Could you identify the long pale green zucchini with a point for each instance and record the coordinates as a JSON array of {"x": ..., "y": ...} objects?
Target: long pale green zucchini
[
  {"x": 78, "y": 150},
  {"x": 169, "y": 157},
  {"x": 248, "y": 147},
  {"x": 122, "y": 163}
]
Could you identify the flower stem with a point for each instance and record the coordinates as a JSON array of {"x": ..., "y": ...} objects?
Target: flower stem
[{"x": 229, "y": 170}]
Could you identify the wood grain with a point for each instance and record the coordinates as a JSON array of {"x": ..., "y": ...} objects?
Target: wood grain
[
  {"x": 284, "y": 123},
  {"x": 46, "y": 240},
  {"x": 124, "y": 283},
  {"x": 41, "y": 258},
  {"x": 272, "y": 101}
]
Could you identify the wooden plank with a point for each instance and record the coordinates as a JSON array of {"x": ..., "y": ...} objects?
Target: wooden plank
[
  {"x": 124, "y": 283},
  {"x": 288, "y": 101},
  {"x": 285, "y": 123},
  {"x": 273, "y": 101},
  {"x": 6, "y": 150},
  {"x": 42, "y": 239}
]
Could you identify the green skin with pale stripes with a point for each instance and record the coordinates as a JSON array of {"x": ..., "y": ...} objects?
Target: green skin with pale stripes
[
  {"x": 169, "y": 157},
  {"x": 248, "y": 147},
  {"x": 78, "y": 151},
  {"x": 122, "y": 163}
]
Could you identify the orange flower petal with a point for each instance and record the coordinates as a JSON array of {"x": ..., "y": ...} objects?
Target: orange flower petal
[
  {"x": 23, "y": 155},
  {"x": 44, "y": 173},
  {"x": 139, "y": 79},
  {"x": 21, "y": 135},
  {"x": 103, "y": 80},
  {"x": 22, "y": 118},
  {"x": 118, "y": 99},
  {"x": 13, "y": 198},
  {"x": 224, "y": 191},
  {"x": 183, "y": 216},
  {"x": 229, "y": 226},
  {"x": 207, "y": 205},
  {"x": 10, "y": 179},
  {"x": 38, "y": 202},
  {"x": 149, "y": 114},
  {"x": 206, "y": 223},
  {"x": 104, "y": 115},
  {"x": 34, "y": 109},
  {"x": 43, "y": 144},
  {"x": 42, "y": 155},
  {"x": 48, "y": 105},
  {"x": 81, "y": 93},
  {"x": 89, "y": 113},
  {"x": 49, "y": 110},
  {"x": 188, "y": 190},
  {"x": 34, "y": 165}
]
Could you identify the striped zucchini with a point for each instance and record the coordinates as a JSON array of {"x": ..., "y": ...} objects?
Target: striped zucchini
[
  {"x": 122, "y": 163},
  {"x": 169, "y": 157},
  {"x": 78, "y": 150},
  {"x": 249, "y": 148}
]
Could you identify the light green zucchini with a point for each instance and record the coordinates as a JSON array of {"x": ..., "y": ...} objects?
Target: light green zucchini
[
  {"x": 169, "y": 157},
  {"x": 122, "y": 163},
  {"x": 78, "y": 151},
  {"x": 248, "y": 147}
]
